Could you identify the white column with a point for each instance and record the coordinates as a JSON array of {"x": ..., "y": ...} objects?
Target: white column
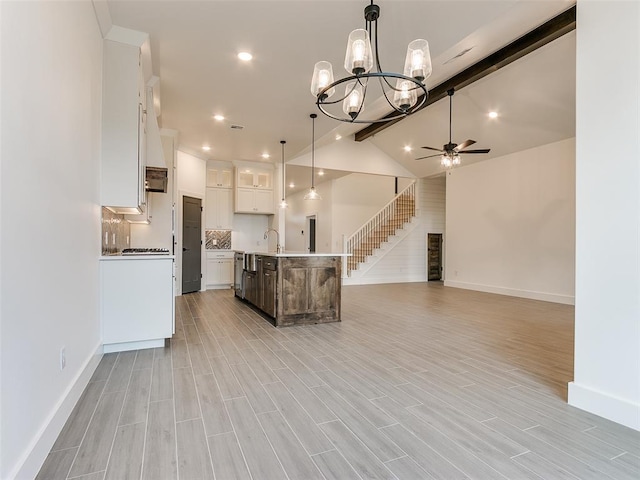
[{"x": 607, "y": 330}]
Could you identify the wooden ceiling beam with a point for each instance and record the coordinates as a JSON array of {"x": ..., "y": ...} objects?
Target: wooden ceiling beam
[{"x": 540, "y": 36}]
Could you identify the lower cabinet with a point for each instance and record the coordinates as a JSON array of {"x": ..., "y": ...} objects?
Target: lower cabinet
[
  {"x": 296, "y": 290},
  {"x": 267, "y": 282},
  {"x": 251, "y": 288},
  {"x": 310, "y": 290},
  {"x": 219, "y": 270},
  {"x": 136, "y": 302}
]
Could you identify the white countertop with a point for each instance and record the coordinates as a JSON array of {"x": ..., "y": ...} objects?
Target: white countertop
[
  {"x": 136, "y": 257},
  {"x": 300, "y": 254}
]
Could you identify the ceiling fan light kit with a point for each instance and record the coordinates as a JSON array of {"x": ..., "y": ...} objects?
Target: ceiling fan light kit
[
  {"x": 404, "y": 92},
  {"x": 451, "y": 152}
]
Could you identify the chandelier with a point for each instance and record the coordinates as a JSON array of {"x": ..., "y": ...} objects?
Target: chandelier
[{"x": 404, "y": 92}]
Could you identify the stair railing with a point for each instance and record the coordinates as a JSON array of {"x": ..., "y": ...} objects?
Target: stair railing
[{"x": 379, "y": 228}]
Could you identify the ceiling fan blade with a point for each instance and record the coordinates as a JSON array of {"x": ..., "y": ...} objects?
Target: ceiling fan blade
[
  {"x": 464, "y": 145},
  {"x": 431, "y": 148},
  {"x": 428, "y": 156},
  {"x": 481, "y": 150}
]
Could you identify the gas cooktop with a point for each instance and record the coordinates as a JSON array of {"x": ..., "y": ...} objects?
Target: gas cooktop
[{"x": 145, "y": 251}]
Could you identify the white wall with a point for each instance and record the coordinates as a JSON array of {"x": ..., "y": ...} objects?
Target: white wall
[
  {"x": 607, "y": 335},
  {"x": 50, "y": 221},
  {"x": 511, "y": 224},
  {"x": 191, "y": 180},
  {"x": 248, "y": 233},
  {"x": 351, "y": 156},
  {"x": 357, "y": 198},
  {"x": 295, "y": 218}
]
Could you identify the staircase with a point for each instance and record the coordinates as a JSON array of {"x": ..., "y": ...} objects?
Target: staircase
[{"x": 392, "y": 217}]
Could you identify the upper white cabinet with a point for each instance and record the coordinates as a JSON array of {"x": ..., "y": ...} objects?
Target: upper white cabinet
[
  {"x": 219, "y": 177},
  {"x": 254, "y": 191},
  {"x": 250, "y": 200},
  {"x": 218, "y": 213},
  {"x": 123, "y": 128},
  {"x": 254, "y": 178}
]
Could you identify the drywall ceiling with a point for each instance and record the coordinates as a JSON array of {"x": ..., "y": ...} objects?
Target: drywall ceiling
[{"x": 194, "y": 47}]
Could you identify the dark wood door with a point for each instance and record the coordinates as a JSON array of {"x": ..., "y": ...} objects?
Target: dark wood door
[
  {"x": 434, "y": 256},
  {"x": 191, "y": 244},
  {"x": 312, "y": 235}
]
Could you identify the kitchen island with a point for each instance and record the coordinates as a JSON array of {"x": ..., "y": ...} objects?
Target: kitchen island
[{"x": 294, "y": 288}]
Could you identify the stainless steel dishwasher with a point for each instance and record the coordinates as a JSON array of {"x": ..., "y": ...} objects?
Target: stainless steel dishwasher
[{"x": 238, "y": 269}]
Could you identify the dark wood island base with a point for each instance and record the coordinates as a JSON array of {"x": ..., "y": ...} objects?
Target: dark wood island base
[{"x": 296, "y": 289}]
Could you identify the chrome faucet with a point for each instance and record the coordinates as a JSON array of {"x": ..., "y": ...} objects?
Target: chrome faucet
[{"x": 266, "y": 236}]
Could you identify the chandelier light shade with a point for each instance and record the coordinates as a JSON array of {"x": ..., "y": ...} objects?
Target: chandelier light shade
[
  {"x": 322, "y": 78},
  {"x": 283, "y": 203},
  {"x": 404, "y": 92},
  {"x": 312, "y": 194}
]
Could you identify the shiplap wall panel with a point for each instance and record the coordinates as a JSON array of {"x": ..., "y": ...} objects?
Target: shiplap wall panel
[{"x": 405, "y": 260}]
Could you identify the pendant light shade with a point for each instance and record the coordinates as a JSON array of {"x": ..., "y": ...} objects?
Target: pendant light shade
[
  {"x": 312, "y": 194},
  {"x": 283, "y": 203}
]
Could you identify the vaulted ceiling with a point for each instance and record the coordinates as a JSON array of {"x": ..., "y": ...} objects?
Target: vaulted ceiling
[{"x": 194, "y": 49}]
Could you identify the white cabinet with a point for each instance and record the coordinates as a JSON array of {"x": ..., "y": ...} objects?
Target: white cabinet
[
  {"x": 254, "y": 191},
  {"x": 145, "y": 216},
  {"x": 254, "y": 178},
  {"x": 123, "y": 128},
  {"x": 219, "y": 177},
  {"x": 136, "y": 302},
  {"x": 218, "y": 213},
  {"x": 219, "y": 270},
  {"x": 250, "y": 200}
]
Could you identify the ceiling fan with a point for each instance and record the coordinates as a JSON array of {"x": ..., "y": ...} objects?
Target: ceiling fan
[{"x": 451, "y": 152}]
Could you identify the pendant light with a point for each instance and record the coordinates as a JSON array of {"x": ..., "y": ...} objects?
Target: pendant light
[
  {"x": 404, "y": 92},
  {"x": 312, "y": 194},
  {"x": 283, "y": 203}
]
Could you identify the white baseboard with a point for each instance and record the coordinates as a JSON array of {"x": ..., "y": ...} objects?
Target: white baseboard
[
  {"x": 604, "y": 405},
  {"x": 127, "y": 346},
  {"x": 513, "y": 292},
  {"x": 379, "y": 281},
  {"x": 36, "y": 453}
]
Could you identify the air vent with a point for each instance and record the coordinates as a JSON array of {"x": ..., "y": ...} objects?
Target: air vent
[
  {"x": 237, "y": 127},
  {"x": 463, "y": 52}
]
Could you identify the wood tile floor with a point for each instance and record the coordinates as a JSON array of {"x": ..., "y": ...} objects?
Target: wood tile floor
[{"x": 417, "y": 382}]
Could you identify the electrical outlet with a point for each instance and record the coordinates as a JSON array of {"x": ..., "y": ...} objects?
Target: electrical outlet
[{"x": 63, "y": 358}]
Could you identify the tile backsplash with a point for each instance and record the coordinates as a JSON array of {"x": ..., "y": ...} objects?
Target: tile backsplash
[
  {"x": 116, "y": 232},
  {"x": 217, "y": 239}
]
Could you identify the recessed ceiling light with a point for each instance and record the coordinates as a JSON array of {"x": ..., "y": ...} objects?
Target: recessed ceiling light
[
  {"x": 292, "y": 185},
  {"x": 219, "y": 118},
  {"x": 321, "y": 172},
  {"x": 338, "y": 137},
  {"x": 245, "y": 56},
  {"x": 265, "y": 155},
  {"x": 493, "y": 114},
  {"x": 407, "y": 148},
  {"x": 206, "y": 148}
]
